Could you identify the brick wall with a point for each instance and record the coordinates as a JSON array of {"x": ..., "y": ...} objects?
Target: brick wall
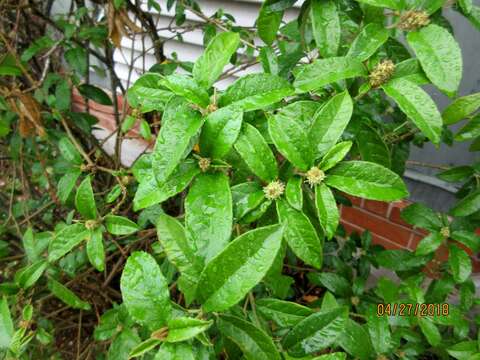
[
  {"x": 388, "y": 228},
  {"x": 380, "y": 218}
]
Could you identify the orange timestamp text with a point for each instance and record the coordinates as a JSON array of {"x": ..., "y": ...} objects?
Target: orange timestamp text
[{"x": 412, "y": 309}]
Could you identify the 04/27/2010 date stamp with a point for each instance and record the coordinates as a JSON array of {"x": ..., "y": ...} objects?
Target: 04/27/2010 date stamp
[{"x": 412, "y": 309}]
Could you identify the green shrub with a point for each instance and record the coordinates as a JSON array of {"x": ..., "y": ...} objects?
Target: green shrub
[{"x": 224, "y": 241}]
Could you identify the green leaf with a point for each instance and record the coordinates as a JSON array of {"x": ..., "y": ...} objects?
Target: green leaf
[
  {"x": 316, "y": 332},
  {"x": 210, "y": 64},
  {"x": 208, "y": 214},
  {"x": 145, "y": 291},
  {"x": 268, "y": 23},
  {"x": 468, "y": 205},
  {"x": 327, "y": 210},
  {"x": 400, "y": 260},
  {"x": 246, "y": 197},
  {"x": 181, "y": 351},
  {"x": 284, "y": 313},
  {"x": 325, "y": 71},
  {"x": 119, "y": 225},
  {"x": 460, "y": 264},
  {"x": 456, "y": 174},
  {"x": 181, "y": 251},
  {"x": 467, "y": 238},
  {"x": 113, "y": 194},
  {"x": 67, "y": 296},
  {"x": 291, "y": 139},
  {"x": 421, "y": 216},
  {"x": 145, "y": 131},
  {"x": 367, "y": 180},
  {"x": 463, "y": 350},
  {"x": 326, "y": 27},
  {"x": 256, "y": 91},
  {"x": 470, "y": 131},
  {"x": 243, "y": 263},
  {"x": 335, "y": 155},
  {"x": 147, "y": 94},
  {"x": 379, "y": 331},
  {"x": 256, "y": 153},
  {"x": 294, "y": 193},
  {"x": 355, "y": 340},
  {"x": 429, "y": 243},
  {"x": 254, "y": 343},
  {"x": 461, "y": 108},
  {"x": 184, "y": 328},
  {"x": 417, "y": 105},
  {"x": 372, "y": 146},
  {"x": 300, "y": 234},
  {"x": 335, "y": 283},
  {"x": 331, "y": 356},
  {"x": 36, "y": 47},
  {"x": 66, "y": 184},
  {"x": 390, "y": 4},
  {"x": 150, "y": 192},
  {"x": 69, "y": 151},
  {"x": 179, "y": 124},
  {"x": 411, "y": 70},
  {"x": 430, "y": 331},
  {"x": 8, "y": 66},
  {"x": 123, "y": 344},
  {"x": 95, "y": 93},
  {"x": 330, "y": 122},
  {"x": 368, "y": 41},
  {"x": 328, "y": 302},
  {"x": 269, "y": 60},
  {"x": 63, "y": 96},
  {"x": 28, "y": 276},
  {"x": 144, "y": 347},
  {"x": 6, "y": 324},
  {"x": 95, "y": 249},
  {"x": 220, "y": 131},
  {"x": 65, "y": 240},
  {"x": 85, "y": 201},
  {"x": 185, "y": 86},
  {"x": 440, "y": 56},
  {"x": 76, "y": 57}
]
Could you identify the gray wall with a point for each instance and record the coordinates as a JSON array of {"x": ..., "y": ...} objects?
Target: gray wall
[{"x": 458, "y": 154}]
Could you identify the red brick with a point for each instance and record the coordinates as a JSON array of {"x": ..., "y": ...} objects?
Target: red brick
[
  {"x": 377, "y": 225},
  {"x": 476, "y": 265},
  {"x": 351, "y": 228},
  {"x": 356, "y": 201},
  {"x": 77, "y": 97},
  {"x": 386, "y": 243},
  {"x": 416, "y": 238},
  {"x": 396, "y": 218},
  {"x": 377, "y": 207}
]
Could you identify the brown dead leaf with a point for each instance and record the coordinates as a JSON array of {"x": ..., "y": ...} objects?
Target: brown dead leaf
[
  {"x": 120, "y": 25},
  {"x": 309, "y": 298},
  {"x": 28, "y": 110}
]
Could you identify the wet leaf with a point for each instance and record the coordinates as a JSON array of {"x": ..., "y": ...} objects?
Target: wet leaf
[
  {"x": 368, "y": 180},
  {"x": 255, "y": 151},
  {"x": 145, "y": 291},
  {"x": 300, "y": 234},
  {"x": 417, "y": 105},
  {"x": 210, "y": 64},
  {"x": 255, "y": 344},
  {"x": 440, "y": 56},
  {"x": 229, "y": 276},
  {"x": 316, "y": 332},
  {"x": 179, "y": 124}
]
